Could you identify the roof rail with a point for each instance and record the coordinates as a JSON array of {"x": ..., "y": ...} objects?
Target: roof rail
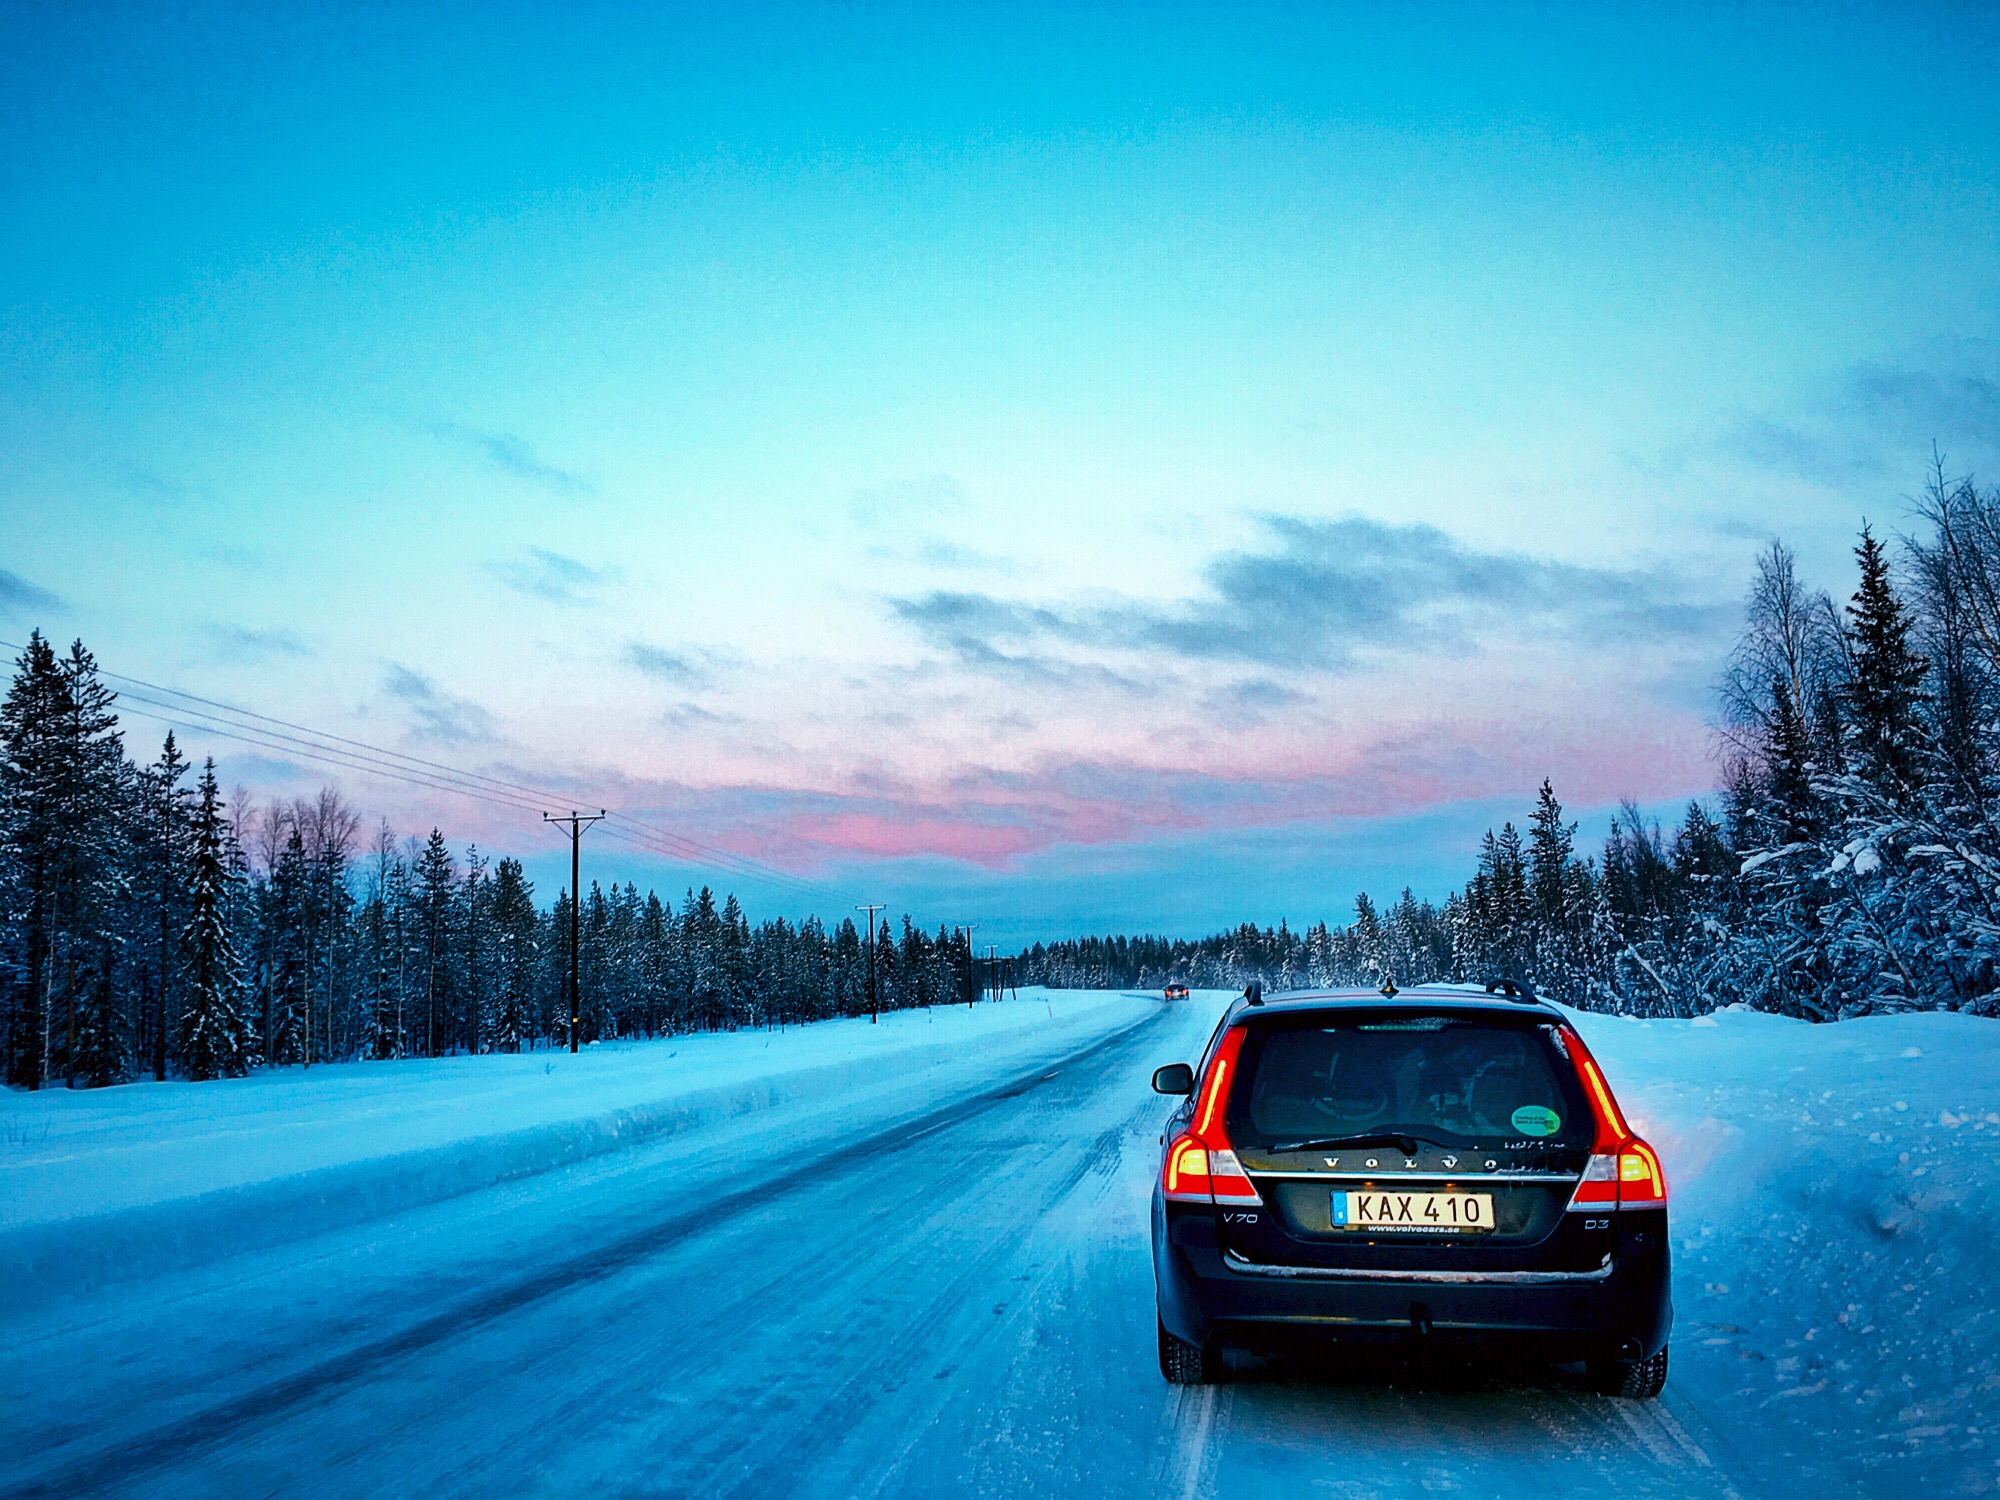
[
  {"x": 1514, "y": 989},
  {"x": 1254, "y": 992}
]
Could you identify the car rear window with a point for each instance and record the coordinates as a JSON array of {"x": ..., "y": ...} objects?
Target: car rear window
[{"x": 1449, "y": 1079}]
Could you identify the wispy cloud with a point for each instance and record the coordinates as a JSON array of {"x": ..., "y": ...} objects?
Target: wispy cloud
[
  {"x": 907, "y": 501},
  {"x": 1879, "y": 422},
  {"x": 1321, "y": 597},
  {"x": 553, "y": 577},
  {"x": 153, "y": 485},
  {"x": 682, "y": 667},
  {"x": 18, "y": 596},
  {"x": 688, "y": 714},
  {"x": 662, "y": 665},
  {"x": 240, "y": 643},
  {"x": 512, "y": 455},
  {"x": 436, "y": 714}
]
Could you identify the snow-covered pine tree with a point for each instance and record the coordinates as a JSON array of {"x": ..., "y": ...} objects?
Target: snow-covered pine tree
[
  {"x": 1368, "y": 944},
  {"x": 285, "y": 918},
  {"x": 94, "y": 801},
  {"x": 1557, "y": 914},
  {"x": 436, "y": 878},
  {"x": 514, "y": 935},
  {"x": 212, "y": 1035},
  {"x": 477, "y": 1001},
  {"x": 30, "y": 781},
  {"x": 1883, "y": 695},
  {"x": 165, "y": 845},
  {"x": 733, "y": 957}
]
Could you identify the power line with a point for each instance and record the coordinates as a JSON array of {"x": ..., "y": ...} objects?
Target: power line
[
  {"x": 741, "y": 864},
  {"x": 188, "y": 721},
  {"x": 321, "y": 747}
]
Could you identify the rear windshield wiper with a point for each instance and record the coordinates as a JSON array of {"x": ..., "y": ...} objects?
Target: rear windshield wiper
[{"x": 1402, "y": 1141}]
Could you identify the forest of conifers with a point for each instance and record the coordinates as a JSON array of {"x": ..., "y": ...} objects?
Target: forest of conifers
[
  {"x": 1849, "y": 863},
  {"x": 152, "y": 925}
]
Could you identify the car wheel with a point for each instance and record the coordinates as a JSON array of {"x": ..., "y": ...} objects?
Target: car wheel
[
  {"x": 1187, "y": 1364},
  {"x": 1635, "y": 1380}
]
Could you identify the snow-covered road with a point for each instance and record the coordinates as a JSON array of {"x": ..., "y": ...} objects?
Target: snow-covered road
[{"x": 940, "y": 1295}]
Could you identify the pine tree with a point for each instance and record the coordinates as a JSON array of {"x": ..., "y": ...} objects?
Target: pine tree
[
  {"x": 1550, "y": 842},
  {"x": 30, "y": 792},
  {"x": 101, "y": 851},
  {"x": 478, "y": 1000},
  {"x": 1366, "y": 935},
  {"x": 212, "y": 1033},
  {"x": 1794, "y": 814},
  {"x": 1884, "y": 694},
  {"x": 513, "y": 918},
  {"x": 169, "y": 834},
  {"x": 286, "y": 917},
  {"x": 435, "y": 878}
]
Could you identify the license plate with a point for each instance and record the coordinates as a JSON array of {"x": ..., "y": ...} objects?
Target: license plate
[{"x": 1411, "y": 1213}]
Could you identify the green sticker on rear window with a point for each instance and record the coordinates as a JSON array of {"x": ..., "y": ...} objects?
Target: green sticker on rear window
[{"x": 1536, "y": 1119}]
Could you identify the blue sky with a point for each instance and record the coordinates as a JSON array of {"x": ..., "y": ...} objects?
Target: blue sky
[{"x": 1138, "y": 467}]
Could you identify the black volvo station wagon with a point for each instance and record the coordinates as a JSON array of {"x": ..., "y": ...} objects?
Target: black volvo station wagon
[{"x": 1444, "y": 1166}]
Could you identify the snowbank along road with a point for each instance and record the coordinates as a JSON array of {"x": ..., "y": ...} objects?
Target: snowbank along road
[{"x": 931, "y": 1278}]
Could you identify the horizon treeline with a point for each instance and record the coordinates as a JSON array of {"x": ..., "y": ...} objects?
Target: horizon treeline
[
  {"x": 1849, "y": 864},
  {"x": 148, "y": 925}
]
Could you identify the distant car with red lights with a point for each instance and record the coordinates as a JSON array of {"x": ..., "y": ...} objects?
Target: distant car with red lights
[
  {"x": 1177, "y": 991},
  {"x": 1444, "y": 1167}
]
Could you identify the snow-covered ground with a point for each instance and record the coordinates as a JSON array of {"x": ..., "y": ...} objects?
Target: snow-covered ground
[
  {"x": 1836, "y": 1215},
  {"x": 133, "y": 1180},
  {"x": 911, "y": 1259}
]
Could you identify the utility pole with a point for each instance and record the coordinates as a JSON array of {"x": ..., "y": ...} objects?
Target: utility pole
[
  {"x": 874, "y": 1011},
  {"x": 166, "y": 946},
  {"x": 971, "y": 964},
  {"x": 577, "y": 823},
  {"x": 993, "y": 969}
]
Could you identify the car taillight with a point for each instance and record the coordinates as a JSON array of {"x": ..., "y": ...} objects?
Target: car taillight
[
  {"x": 1187, "y": 1170},
  {"x": 1623, "y": 1171},
  {"x": 1642, "y": 1182},
  {"x": 1201, "y": 1167}
]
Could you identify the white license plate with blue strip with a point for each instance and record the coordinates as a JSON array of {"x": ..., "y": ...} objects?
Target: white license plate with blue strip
[{"x": 1391, "y": 1212}]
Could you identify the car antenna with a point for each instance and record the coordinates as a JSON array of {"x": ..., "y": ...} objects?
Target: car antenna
[
  {"x": 1389, "y": 991},
  {"x": 1253, "y": 992}
]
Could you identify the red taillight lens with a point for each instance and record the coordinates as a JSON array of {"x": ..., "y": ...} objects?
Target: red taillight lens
[
  {"x": 1642, "y": 1182},
  {"x": 1200, "y": 1165},
  {"x": 1623, "y": 1172},
  {"x": 1186, "y": 1174},
  {"x": 1612, "y": 1131}
]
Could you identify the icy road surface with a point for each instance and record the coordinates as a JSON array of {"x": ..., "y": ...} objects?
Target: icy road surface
[{"x": 942, "y": 1290}]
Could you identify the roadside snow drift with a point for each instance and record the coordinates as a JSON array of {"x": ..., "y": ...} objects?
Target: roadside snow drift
[
  {"x": 110, "y": 1183},
  {"x": 1836, "y": 1197}
]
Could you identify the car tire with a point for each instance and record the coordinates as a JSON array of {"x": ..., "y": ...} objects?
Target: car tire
[
  {"x": 1633, "y": 1379},
  {"x": 1183, "y": 1363}
]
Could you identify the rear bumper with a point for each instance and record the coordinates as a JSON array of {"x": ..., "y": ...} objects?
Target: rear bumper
[{"x": 1620, "y": 1310}]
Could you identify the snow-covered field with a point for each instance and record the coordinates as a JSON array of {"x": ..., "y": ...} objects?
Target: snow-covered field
[
  {"x": 911, "y": 1259},
  {"x": 1836, "y": 1217}
]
